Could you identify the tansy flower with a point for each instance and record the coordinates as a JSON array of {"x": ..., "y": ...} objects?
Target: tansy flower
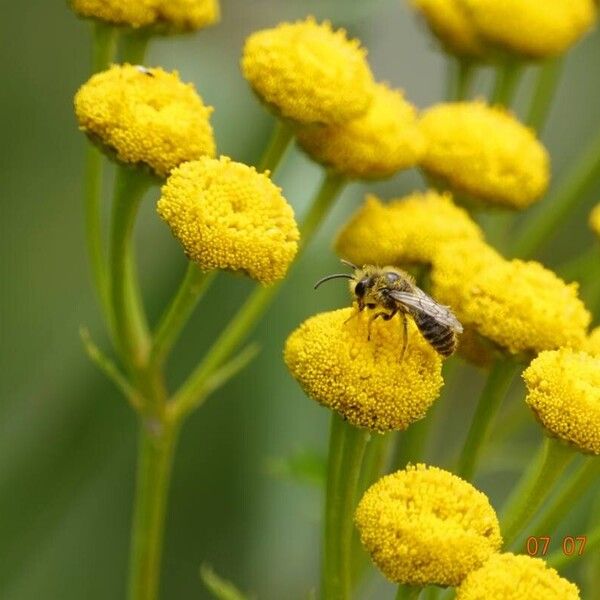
[
  {"x": 518, "y": 578},
  {"x": 375, "y": 145},
  {"x": 450, "y": 23},
  {"x": 485, "y": 153},
  {"x": 424, "y": 525},
  {"x": 364, "y": 380},
  {"x": 170, "y": 14},
  {"x": 413, "y": 229},
  {"x": 308, "y": 73},
  {"x": 145, "y": 116},
  {"x": 536, "y": 28},
  {"x": 228, "y": 216},
  {"x": 592, "y": 342},
  {"x": 595, "y": 220},
  {"x": 519, "y": 306},
  {"x": 563, "y": 390}
]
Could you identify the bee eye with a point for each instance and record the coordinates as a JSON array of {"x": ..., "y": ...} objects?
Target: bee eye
[
  {"x": 360, "y": 287},
  {"x": 391, "y": 277}
]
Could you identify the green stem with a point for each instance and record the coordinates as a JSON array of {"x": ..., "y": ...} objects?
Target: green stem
[
  {"x": 132, "y": 343},
  {"x": 534, "y": 486},
  {"x": 408, "y": 592},
  {"x": 570, "y": 191},
  {"x": 461, "y": 74},
  {"x": 194, "y": 285},
  {"x": 134, "y": 46},
  {"x": 508, "y": 75},
  {"x": 156, "y": 449},
  {"x": 276, "y": 148},
  {"x": 571, "y": 491},
  {"x": 548, "y": 76},
  {"x": 494, "y": 391},
  {"x": 259, "y": 300}
]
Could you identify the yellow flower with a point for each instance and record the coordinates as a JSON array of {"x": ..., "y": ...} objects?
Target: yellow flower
[
  {"x": 595, "y": 220},
  {"x": 228, "y": 216},
  {"x": 413, "y": 229},
  {"x": 592, "y": 342},
  {"x": 170, "y": 14},
  {"x": 519, "y": 306},
  {"x": 365, "y": 381},
  {"x": 375, "y": 145},
  {"x": 424, "y": 525},
  {"x": 485, "y": 153},
  {"x": 308, "y": 73},
  {"x": 450, "y": 23},
  {"x": 518, "y": 578},
  {"x": 145, "y": 116},
  {"x": 563, "y": 390},
  {"x": 536, "y": 28}
]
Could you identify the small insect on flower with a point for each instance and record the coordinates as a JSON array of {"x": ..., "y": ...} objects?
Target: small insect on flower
[{"x": 389, "y": 291}]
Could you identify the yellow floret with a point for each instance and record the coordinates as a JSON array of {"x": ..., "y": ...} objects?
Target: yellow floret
[
  {"x": 536, "y": 28},
  {"x": 450, "y": 23},
  {"x": 486, "y": 153},
  {"x": 424, "y": 525},
  {"x": 563, "y": 390},
  {"x": 364, "y": 380},
  {"x": 228, "y": 216},
  {"x": 520, "y": 306},
  {"x": 145, "y": 116},
  {"x": 592, "y": 342},
  {"x": 308, "y": 73},
  {"x": 595, "y": 220},
  {"x": 413, "y": 229},
  {"x": 182, "y": 15},
  {"x": 375, "y": 145},
  {"x": 507, "y": 576}
]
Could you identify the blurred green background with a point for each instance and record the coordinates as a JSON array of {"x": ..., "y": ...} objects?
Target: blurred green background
[{"x": 68, "y": 441}]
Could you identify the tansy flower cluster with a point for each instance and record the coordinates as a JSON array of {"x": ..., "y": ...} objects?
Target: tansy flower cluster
[
  {"x": 145, "y": 116},
  {"x": 364, "y": 380},
  {"x": 484, "y": 153},
  {"x": 518, "y": 578},
  {"x": 180, "y": 15},
  {"x": 563, "y": 390},
  {"x": 424, "y": 525},
  {"x": 228, "y": 216}
]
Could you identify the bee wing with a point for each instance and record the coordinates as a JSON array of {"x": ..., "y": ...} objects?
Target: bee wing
[{"x": 419, "y": 301}]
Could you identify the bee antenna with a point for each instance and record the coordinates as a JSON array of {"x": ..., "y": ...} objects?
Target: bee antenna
[
  {"x": 348, "y": 264},
  {"x": 334, "y": 276}
]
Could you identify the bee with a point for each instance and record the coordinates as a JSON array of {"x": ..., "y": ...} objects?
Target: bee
[{"x": 388, "y": 291}]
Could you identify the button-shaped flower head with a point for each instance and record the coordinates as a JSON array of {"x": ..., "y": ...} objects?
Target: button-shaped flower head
[
  {"x": 178, "y": 15},
  {"x": 450, "y": 23},
  {"x": 365, "y": 381},
  {"x": 424, "y": 525},
  {"x": 536, "y": 28},
  {"x": 518, "y": 578},
  {"x": 309, "y": 73},
  {"x": 228, "y": 216},
  {"x": 384, "y": 140},
  {"x": 413, "y": 229},
  {"x": 145, "y": 116},
  {"x": 563, "y": 390},
  {"x": 485, "y": 153},
  {"x": 594, "y": 220},
  {"x": 522, "y": 307}
]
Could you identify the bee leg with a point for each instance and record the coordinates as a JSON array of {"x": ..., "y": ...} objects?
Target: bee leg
[
  {"x": 404, "y": 336},
  {"x": 385, "y": 316}
]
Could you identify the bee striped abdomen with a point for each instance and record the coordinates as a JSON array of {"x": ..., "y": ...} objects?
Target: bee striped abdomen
[{"x": 441, "y": 337}]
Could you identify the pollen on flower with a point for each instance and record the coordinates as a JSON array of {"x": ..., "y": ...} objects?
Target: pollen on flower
[
  {"x": 451, "y": 24},
  {"x": 182, "y": 15},
  {"x": 518, "y": 578},
  {"x": 413, "y": 229},
  {"x": 309, "y": 73},
  {"x": 594, "y": 220},
  {"x": 364, "y": 380},
  {"x": 520, "y": 306},
  {"x": 563, "y": 390},
  {"x": 424, "y": 525},
  {"x": 485, "y": 153},
  {"x": 536, "y": 28},
  {"x": 145, "y": 116},
  {"x": 228, "y": 216},
  {"x": 375, "y": 145}
]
